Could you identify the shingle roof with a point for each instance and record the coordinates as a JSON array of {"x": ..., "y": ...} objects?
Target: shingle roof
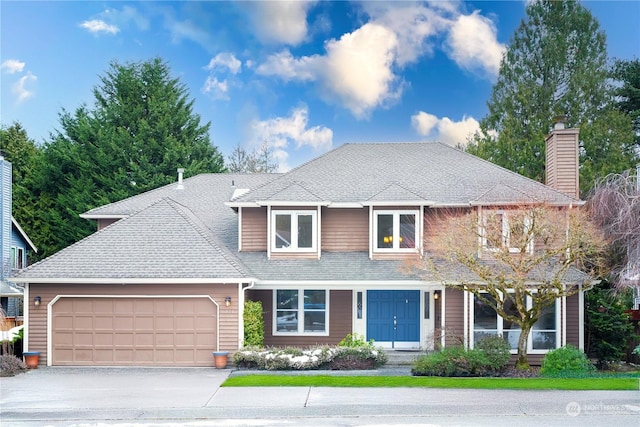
[
  {"x": 172, "y": 233},
  {"x": 356, "y": 266},
  {"x": 162, "y": 241},
  {"x": 434, "y": 173},
  {"x": 205, "y": 195}
]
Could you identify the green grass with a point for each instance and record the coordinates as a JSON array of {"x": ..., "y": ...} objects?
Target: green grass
[{"x": 258, "y": 380}]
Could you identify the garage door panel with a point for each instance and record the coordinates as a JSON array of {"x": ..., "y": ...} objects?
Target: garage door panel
[
  {"x": 134, "y": 331},
  {"x": 122, "y": 305},
  {"x": 145, "y": 322},
  {"x": 122, "y": 323},
  {"x": 103, "y": 322},
  {"x": 103, "y": 306}
]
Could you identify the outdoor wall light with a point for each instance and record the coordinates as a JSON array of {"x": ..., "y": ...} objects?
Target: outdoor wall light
[
  {"x": 227, "y": 301},
  {"x": 37, "y": 300},
  {"x": 436, "y": 295}
]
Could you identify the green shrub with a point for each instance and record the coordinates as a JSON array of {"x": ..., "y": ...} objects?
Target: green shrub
[
  {"x": 566, "y": 361},
  {"x": 354, "y": 340},
  {"x": 253, "y": 324},
  {"x": 497, "y": 351},
  {"x": 10, "y": 365},
  {"x": 452, "y": 362}
]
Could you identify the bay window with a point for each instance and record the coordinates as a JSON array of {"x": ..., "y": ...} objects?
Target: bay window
[{"x": 543, "y": 335}]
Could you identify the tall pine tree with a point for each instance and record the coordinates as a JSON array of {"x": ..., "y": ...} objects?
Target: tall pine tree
[
  {"x": 556, "y": 64},
  {"x": 140, "y": 130}
]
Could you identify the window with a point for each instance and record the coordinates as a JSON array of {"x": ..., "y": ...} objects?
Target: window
[
  {"x": 486, "y": 321},
  {"x": 294, "y": 231},
  {"x": 507, "y": 229},
  {"x": 17, "y": 258},
  {"x": 396, "y": 230},
  {"x": 295, "y": 315}
]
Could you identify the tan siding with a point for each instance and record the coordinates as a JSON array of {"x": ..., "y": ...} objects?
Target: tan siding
[
  {"x": 345, "y": 230},
  {"x": 294, "y": 255},
  {"x": 102, "y": 223},
  {"x": 228, "y": 320},
  {"x": 573, "y": 320},
  {"x": 433, "y": 222},
  {"x": 340, "y": 320},
  {"x": 562, "y": 161},
  {"x": 454, "y": 317},
  {"x": 254, "y": 229}
]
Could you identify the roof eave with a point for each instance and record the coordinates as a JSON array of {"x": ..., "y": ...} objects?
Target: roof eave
[
  {"x": 131, "y": 280},
  {"x": 23, "y": 234}
]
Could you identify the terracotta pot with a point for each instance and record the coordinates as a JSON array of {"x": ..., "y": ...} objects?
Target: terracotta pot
[
  {"x": 31, "y": 358},
  {"x": 220, "y": 359}
]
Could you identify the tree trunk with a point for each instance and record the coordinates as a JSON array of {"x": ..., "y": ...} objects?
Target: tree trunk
[{"x": 522, "y": 362}]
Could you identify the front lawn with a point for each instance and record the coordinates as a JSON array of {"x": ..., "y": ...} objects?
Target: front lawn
[{"x": 258, "y": 380}]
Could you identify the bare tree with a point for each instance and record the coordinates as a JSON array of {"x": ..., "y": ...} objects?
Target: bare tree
[
  {"x": 260, "y": 160},
  {"x": 614, "y": 205},
  {"x": 518, "y": 261}
]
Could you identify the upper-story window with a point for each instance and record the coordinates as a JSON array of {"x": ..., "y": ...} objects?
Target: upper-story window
[
  {"x": 17, "y": 258},
  {"x": 507, "y": 229},
  {"x": 396, "y": 230},
  {"x": 293, "y": 231}
]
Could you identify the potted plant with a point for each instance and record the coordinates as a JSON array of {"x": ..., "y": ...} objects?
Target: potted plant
[
  {"x": 220, "y": 359},
  {"x": 31, "y": 358}
]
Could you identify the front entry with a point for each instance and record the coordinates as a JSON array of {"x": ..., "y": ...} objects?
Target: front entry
[{"x": 393, "y": 318}]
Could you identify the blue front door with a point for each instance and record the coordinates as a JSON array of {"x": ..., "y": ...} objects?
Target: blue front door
[{"x": 393, "y": 318}]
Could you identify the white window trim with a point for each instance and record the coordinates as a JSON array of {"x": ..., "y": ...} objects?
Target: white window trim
[
  {"x": 294, "y": 230},
  {"x": 396, "y": 230},
  {"x": 17, "y": 260},
  {"x": 506, "y": 235},
  {"x": 500, "y": 328},
  {"x": 300, "y": 309}
]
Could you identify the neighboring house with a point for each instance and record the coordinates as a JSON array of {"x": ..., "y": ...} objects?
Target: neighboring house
[
  {"x": 164, "y": 280},
  {"x": 14, "y": 244}
]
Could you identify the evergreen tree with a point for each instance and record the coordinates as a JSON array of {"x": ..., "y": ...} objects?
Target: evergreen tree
[
  {"x": 556, "y": 64},
  {"x": 140, "y": 130},
  {"x": 23, "y": 153}
]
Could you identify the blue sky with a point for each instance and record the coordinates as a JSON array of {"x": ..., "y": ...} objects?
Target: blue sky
[{"x": 303, "y": 76}]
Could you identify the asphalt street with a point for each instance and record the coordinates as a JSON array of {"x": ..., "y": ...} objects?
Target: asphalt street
[{"x": 92, "y": 397}]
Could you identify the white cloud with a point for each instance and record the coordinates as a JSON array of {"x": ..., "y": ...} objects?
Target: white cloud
[
  {"x": 126, "y": 15},
  {"x": 359, "y": 68},
  {"x": 99, "y": 26},
  {"x": 12, "y": 66},
  {"x": 444, "y": 129},
  {"x": 356, "y": 70},
  {"x": 473, "y": 44},
  {"x": 225, "y": 60},
  {"x": 281, "y": 132},
  {"x": 412, "y": 23},
  {"x": 22, "y": 87},
  {"x": 285, "y": 66},
  {"x": 282, "y": 22},
  {"x": 217, "y": 89}
]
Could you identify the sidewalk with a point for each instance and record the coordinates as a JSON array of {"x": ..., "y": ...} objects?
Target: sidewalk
[{"x": 182, "y": 396}]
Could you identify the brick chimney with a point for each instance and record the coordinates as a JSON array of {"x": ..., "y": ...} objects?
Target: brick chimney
[{"x": 562, "y": 167}]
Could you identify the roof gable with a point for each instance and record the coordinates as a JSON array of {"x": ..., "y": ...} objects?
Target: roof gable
[{"x": 432, "y": 173}]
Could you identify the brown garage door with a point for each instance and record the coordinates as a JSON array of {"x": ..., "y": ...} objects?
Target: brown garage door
[{"x": 134, "y": 331}]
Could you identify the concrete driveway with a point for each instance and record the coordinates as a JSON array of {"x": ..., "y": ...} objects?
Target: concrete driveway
[{"x": 192, "y": 397}]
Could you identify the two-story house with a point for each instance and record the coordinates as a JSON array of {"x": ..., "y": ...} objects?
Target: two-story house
[
  {"x": 164, "y": 280},
  {"x": 14, "y": 244}
]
